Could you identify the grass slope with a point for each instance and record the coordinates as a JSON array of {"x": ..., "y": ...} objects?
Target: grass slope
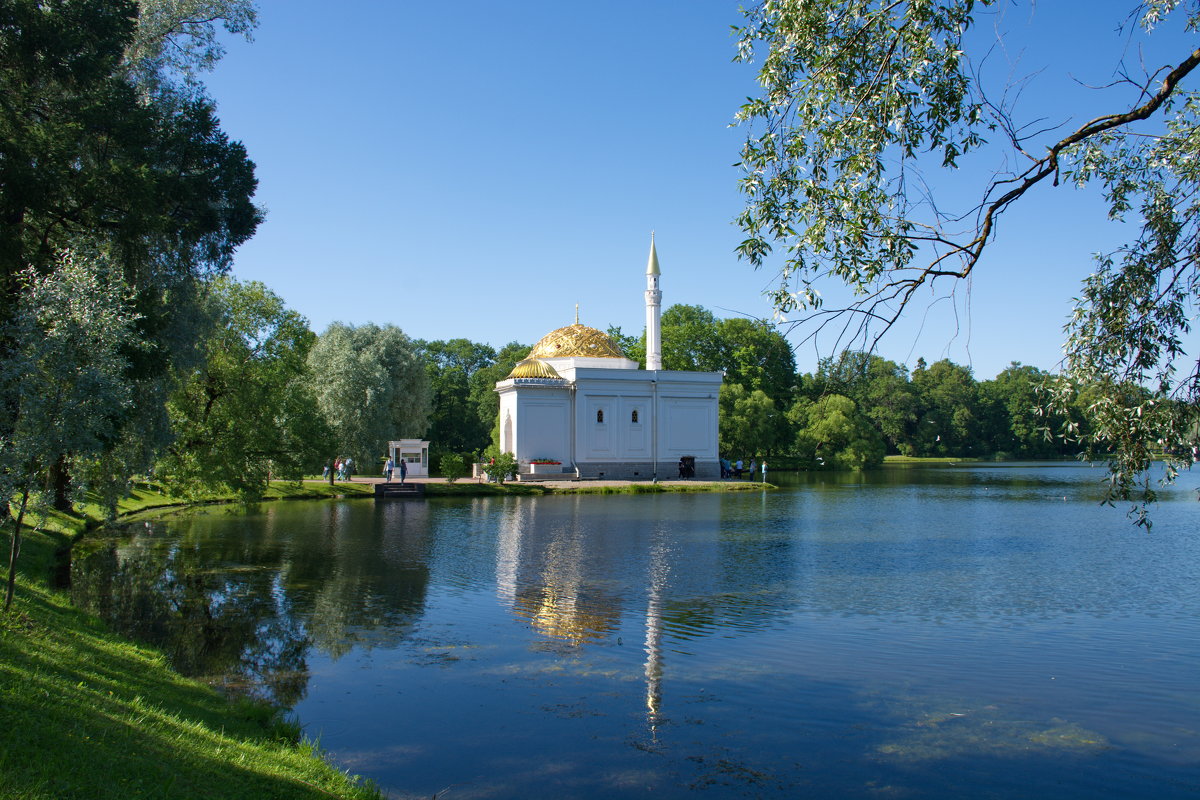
[{"x": 86, "y": 714}]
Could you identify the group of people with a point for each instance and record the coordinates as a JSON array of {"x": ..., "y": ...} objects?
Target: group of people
[
  {"x": 343, "y": 469},
  {"x": 738, "y": 468}
]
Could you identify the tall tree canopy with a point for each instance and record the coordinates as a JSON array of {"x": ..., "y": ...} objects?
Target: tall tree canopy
[
  {"x": 372, "y": 388},
  {"x": 91, "y": 163},
  {"x": 246, "y": 412},
  {"x": 862, "y": 100},
  {"x": 455, "y": 425}
]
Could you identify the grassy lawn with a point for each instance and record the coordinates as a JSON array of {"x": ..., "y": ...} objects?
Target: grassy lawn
[{"x": 86, "y": 714}]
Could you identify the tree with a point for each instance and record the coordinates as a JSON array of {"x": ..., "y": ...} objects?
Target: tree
[
  {"x": 455, "y": 426},
  {"x": 948, "y": 400},
  {"x": 634, "y": 347},
  {"x": 833, "y": 434},
  {"x": 862, "y": 101},
  {"x": 176, "y": 40},
  {"x": 499, "y": 466},
  {"x": 879, "y": 387},
  {"x": 1014, "y": 419},
  {"x": 691, "y": 339},
  {"x": 246, "y": 412},
  {"x": 370, "y": 386},
  {"x": 484, "y": 400},
  {"x": 756, "y": 355},
  {"x": 63, "y": 376},
  {"x": 90, "y": 163},
  {"x": 750, "y": 422}
]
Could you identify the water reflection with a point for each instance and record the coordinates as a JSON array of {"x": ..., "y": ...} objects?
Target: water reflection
[
  {"x": 240, "y": 599},
  {"x": 924, "y": 633}
]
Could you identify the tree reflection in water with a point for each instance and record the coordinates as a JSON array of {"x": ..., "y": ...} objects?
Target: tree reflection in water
[{"x": 242, "y": 609}]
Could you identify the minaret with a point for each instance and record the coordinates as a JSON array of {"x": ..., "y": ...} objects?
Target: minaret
[{"x": 653, "y": 311}]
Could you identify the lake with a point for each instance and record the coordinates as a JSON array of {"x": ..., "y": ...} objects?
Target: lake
[{"x": 984, "y": 631}]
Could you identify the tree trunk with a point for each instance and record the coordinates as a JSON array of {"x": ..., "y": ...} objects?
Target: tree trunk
[
  {"x": 60, "y": 477},
  {"x": 14, "y": 552}
]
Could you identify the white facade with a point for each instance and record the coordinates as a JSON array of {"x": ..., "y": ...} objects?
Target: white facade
[
  {"x": 623, "y": 423},
  {"x": 415, "y": 454},
  {"x": 578, "y": 401}
]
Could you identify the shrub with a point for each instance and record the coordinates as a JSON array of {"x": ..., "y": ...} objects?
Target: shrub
[{"x": 453, "y": 467}]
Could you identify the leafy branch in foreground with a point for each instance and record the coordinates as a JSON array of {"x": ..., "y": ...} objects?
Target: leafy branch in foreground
[{"x": 863, "y": 101}]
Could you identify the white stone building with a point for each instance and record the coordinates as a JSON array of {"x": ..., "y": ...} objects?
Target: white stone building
[{"x": 577, "y": 400}]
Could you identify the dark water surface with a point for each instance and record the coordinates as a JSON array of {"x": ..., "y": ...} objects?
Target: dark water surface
[{"x": 983, "y": 631}]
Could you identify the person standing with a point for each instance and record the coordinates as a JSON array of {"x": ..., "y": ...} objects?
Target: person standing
[
  {"x": 764, "y": 470},
  {"x": 387, "y": 469},
  {"x": 350, "y": 469},
  {"x": 403, "y": 470}
]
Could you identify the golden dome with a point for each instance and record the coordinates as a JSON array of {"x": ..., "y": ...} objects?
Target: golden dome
[
  {"x": 532, "y": 368},
  {"x": 576, "y": 341}
]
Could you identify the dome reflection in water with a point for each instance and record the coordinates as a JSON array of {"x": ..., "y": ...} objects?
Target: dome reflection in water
[{"x": 917, "y": 633}]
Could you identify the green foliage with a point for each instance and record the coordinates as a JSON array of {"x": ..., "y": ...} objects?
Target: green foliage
[
  {"x": 751, "y": 353},
  {"x": 832, "y": 433},
  {"x": 63, "y": 378},
  {"x": 499, "y": 466},
  {"x": 455, "y": 424},
  {"x": 853, "y": 90},
  {"x": 453, "y": 467},
  {"x": 690, "y": 339},
  {"x": 880, "y": 388},
  {"x": 863, "y": 102},
  {"x": 92, "y": 165},
  {"x": 483, "y": 398},
  {"x": 370, "y": 386},
  {"x": 176, "y": 40},
  {"x": 949, "y": 402},
  {"x": 247, "y": 412},
  {"x": 634, "y": 347},
  {"x": 750, "y": 423}
]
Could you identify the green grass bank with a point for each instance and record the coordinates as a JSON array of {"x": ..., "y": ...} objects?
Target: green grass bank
[{"x": 87, "y": 714}]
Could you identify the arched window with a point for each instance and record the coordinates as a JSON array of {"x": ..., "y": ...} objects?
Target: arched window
[
  {"x": 634, "y": 418},
  {"x": 600, "y": 415}
]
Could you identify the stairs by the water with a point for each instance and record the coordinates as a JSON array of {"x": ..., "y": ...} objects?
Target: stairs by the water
[{"x": 399, "y": 491}]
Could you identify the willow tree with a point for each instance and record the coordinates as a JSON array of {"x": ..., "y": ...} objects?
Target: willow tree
[
  {"x": 371, "y": 387},
  {"x": 864, "y": 101}
]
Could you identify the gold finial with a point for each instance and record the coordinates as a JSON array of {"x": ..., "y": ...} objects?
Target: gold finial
[{"x": 577, "y": 313}]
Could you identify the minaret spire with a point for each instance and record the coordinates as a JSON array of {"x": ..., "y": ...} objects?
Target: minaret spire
[{"x": 653, "y": 311}]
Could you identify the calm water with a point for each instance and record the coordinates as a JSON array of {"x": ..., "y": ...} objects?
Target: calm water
[{"x": 916, "y": 633}]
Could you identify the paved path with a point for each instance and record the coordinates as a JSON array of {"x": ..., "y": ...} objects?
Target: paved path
[{"x": 570, "y": 484}]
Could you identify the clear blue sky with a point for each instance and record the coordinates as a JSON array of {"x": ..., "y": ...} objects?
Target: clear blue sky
[{"x": 475, "y": 169}]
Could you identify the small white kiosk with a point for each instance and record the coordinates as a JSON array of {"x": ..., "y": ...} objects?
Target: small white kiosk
[{"x": 415, "y": 452}]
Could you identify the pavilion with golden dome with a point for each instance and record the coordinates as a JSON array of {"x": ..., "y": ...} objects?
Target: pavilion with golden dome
[{"x": 577, "y": 400}]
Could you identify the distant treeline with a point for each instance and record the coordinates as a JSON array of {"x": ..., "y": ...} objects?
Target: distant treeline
[{"x": 855, "y": 408}]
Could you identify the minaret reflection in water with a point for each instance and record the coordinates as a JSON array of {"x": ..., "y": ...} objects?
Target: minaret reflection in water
[
  {"x": 659, "y": 570},
  {"x": 553, "y": 574}
]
